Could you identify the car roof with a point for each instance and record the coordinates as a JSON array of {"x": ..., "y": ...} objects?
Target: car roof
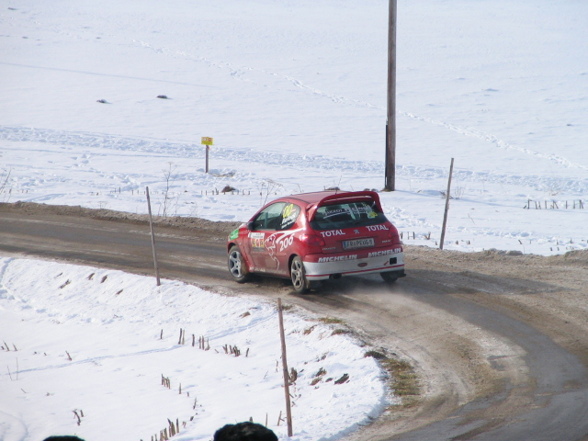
[{"x": 334, "y": 195}]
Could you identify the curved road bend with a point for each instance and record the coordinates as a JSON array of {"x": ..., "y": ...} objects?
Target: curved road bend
[{"x": 541, "y": 395}]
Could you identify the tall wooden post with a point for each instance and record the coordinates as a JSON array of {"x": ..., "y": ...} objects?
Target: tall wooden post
[
  {"x": 285, "y": 369},
  {"x": 446, "y": 206},
  {"x": 153, "y": 239},
  {"x": 391, "y": 117}
]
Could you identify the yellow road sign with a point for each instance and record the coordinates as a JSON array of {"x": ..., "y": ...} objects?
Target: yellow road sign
[{"x": 206, "y": 140}]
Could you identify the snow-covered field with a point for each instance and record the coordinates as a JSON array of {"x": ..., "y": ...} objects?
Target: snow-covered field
[
  {"x": 294, "y": 95},
  {"x": 84, "y": 351}
]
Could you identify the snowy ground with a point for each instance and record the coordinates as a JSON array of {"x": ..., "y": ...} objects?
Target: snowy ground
[
  {"x": 96, "y": 343},
  {"x": 294, "y": 95}
]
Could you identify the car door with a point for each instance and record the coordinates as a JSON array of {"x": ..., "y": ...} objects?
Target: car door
[
  {"x": 271, "y": 237},
  {"x": 261, "y": 227}
]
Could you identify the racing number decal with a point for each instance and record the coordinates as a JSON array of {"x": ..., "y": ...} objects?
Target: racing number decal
[
  {"x": 288, "y": 209},
  {"x": 257, "y": 240},
  {"x": 269, "y": 251},
  {"x": 289, "y": 216},
  {"x": 279, "y": 242},
  {"x": 286, "y": 242}
]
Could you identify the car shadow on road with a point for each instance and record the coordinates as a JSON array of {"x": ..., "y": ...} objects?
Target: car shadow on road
[{"x": 432, "y": 282}]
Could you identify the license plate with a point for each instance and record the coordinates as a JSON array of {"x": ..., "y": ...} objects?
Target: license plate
[{"x": 358, "y": 243}]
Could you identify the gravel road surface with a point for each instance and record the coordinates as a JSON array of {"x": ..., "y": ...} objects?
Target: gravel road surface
[{"x": 498, "y": 341}]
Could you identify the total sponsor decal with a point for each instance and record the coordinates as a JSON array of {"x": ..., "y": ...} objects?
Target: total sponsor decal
[
  {"x": 385, "y": 252},
  {"x": 377, "y": 227},
  {"x": 332, "y": 233},
  {"x": 337, "y": 258}
]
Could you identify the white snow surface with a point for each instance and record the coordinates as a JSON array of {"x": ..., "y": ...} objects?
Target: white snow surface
[
  {"x": 84, "y": 351},
  {"x": 294, "y": 95}
]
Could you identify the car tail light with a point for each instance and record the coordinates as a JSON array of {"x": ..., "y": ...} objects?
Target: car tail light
[
  {"x": 312, "y": 241},
  {"x": 393, "y": 234}
]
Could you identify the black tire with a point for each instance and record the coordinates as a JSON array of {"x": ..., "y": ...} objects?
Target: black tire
[
  {"x": 298, "y": 276},
  {"x": 237, "y": 266},
  {"x": 389, "y": 276}
]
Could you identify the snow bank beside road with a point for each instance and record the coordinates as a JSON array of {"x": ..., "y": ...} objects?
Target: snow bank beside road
[{"x": 85, "y": 350}]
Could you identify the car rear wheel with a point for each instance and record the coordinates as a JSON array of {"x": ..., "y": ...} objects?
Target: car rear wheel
[
  {"x": 237, "y": 266},
  {"x": 298, "y": 276},
  {"x": 389, "y": 276}
]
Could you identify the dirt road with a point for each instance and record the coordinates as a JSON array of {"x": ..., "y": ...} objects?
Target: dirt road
[{"x": 498, "y": 342}]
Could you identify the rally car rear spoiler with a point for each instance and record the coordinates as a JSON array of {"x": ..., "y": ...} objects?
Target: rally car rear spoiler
[{"x": 366, "y": 195}]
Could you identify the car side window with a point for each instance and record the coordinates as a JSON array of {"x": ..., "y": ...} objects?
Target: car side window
[
  {"x": 278, "y": 216},
  {"x": 270, "y": 217}
]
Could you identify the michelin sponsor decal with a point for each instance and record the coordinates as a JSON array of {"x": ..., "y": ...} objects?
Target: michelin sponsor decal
[
  {"x": 385, "y": 252},
  {"x": 355, "y": 257},
  {"x": 337, "y": 258}
]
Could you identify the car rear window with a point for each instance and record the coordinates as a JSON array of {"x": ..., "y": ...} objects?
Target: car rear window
[{"x": 346, "y": 215}]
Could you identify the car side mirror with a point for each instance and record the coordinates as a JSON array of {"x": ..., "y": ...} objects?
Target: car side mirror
[{"x": 250, "y": 225}]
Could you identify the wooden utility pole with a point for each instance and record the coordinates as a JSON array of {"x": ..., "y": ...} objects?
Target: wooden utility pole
[
  {"x": 391, "y": 117},
  {"x": 447, "y": 195}
]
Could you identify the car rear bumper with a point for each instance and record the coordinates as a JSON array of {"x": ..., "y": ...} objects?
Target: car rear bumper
[{"x": 322, "y": 267}]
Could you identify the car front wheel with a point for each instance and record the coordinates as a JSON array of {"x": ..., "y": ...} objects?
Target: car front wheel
[
  {"x": 298, "y": 276},
  {"x": 237, "y": 265}
]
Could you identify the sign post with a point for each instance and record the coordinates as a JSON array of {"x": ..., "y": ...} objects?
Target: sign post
[{"x": 206, "y": 141}]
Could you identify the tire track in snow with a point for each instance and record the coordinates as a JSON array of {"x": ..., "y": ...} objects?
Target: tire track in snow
[
  {"x": 239, "y": 73},
  {"x": 13, "y": 427},
  {"x": 500, "y": 143},
  {"x": 296, "y": 160},
  {"x": 3, "y": 289}
]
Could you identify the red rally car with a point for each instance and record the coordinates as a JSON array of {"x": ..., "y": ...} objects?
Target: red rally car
[{"x": 317, "y": 236}]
